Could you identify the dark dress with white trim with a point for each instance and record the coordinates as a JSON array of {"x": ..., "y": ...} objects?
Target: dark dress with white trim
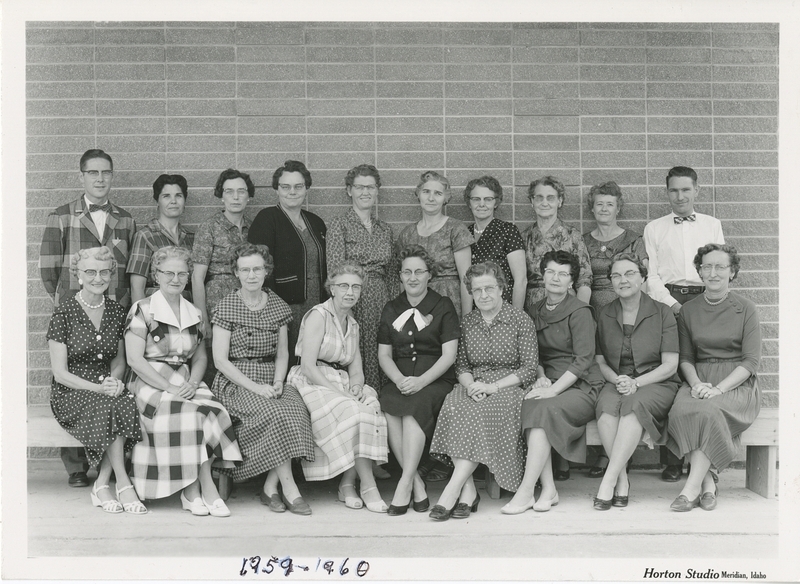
[{"x": 95, "y": 419}]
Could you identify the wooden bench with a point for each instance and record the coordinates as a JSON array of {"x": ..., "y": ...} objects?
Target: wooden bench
[{"x": 761, "y": 440}]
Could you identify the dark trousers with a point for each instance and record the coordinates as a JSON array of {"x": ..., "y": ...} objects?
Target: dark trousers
[
  {"x": 74, "y": 459},
  {"x": 667, "y": 457}
]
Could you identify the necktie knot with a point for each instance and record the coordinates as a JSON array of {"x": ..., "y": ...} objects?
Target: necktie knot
[
  {"x": 104, "y": 207},
  {"x": 691, "y": 218}
]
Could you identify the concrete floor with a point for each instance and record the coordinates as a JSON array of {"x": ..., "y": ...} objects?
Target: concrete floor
[{"x": 62, "y": 522}]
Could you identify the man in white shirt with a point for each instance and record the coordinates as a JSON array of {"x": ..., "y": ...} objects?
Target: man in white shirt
[{"x": 672, "y": 242}]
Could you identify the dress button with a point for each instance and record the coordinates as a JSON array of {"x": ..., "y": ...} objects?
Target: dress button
[
  {"x": 99, "y": 337},
  {"x": 102, "y": 377},
  {"x": 175, "y": 358},
  {"x": 410, "y": 333},
  {"x": 99, "y": 355},
  {"x": 413, "y": 358},
  {"x": 156, "y": 338},
  {"x": 411, "y": 345}
]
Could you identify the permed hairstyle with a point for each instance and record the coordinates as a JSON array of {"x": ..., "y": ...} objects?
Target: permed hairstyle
[
  {"x": 630, "y": 257},
  {"x": 548, "y": 181},
  {"x": 562, "y": 258},
  {"x": 607, "y": 188},
  {"x": 291, "y": 166},
  {"x": 170, "y": 252},
  {"x": 435, "y": 176},
  {"x": 487, "y": 268},
  {"x": 231, "y": 174},
  {"x": 414, "y": 250},
  {"x": 101, "y": 254},
  {"x": 488, "y": 182},
  {"x": 346, "y": 267},
  {"x": 170, "y": 179},
  {"x": 362, "y": 170},
  {"x": 733, "y": 256},
  {"x": 245, "y": 250}
]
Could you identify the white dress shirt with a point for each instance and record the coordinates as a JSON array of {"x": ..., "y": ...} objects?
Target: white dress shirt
[
  {"x": 671, "y": 248},
  {"x": 98, "y": 217}
]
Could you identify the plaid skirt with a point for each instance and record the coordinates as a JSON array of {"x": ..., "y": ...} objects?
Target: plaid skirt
[
  {"x": 344, "y": 428},
  {"x": 179, "y": 436}
]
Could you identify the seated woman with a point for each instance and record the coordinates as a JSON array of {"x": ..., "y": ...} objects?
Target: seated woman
[
  {"x": 555, "y": 412},
  {"x": 346, "y": 420},
  {"x": 479, "y": 421},
  {"x": 637, "y": 351},
  {"x": 184, "y": 428},
  {"x": 720, "y": 351},
  {"x": 88, "y": 397},
  {"x": 417, "y": 344},
  {"x": 251, "y": 353}
]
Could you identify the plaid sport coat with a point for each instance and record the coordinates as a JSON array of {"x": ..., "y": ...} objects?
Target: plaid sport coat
[{"x": 70, "y": 228}]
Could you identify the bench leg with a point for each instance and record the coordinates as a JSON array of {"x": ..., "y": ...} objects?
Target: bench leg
[
  {"x": 225, "y": 486},
  {"x": 491, "y": 485},
  {"x": 761, "y": 474}
]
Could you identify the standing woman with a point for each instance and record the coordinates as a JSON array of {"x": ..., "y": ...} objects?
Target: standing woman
[
  {"x": 496, "y": 240},
  {"x": 251, "y": 350},
  {"x": 720, "y": 351},
  {"x": 296, "y": 239},
  {"x": 446, "y": 239},
  {"x": 170, "y": 192},
  {"x": 357, "y": 236}
]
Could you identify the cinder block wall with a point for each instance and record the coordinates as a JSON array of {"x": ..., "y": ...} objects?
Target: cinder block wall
[{"x": 584, "y": 102}]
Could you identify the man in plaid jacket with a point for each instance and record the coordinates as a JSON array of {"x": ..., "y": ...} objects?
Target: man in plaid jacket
[{"x": 91, "y": 221}]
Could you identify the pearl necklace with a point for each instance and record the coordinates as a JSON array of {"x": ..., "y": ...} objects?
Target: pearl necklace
[
  {"x": 552, "y": 307},
  {"x": 255, "y": 304},
  {"x": 87, "y": 305},
  {"x": 714, "y": 302}
]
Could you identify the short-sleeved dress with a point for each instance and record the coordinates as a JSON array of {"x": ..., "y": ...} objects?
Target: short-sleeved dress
[
  {"x": 150, "y": 238},
  {"x": 269, "y": 431},
  {"x": 414, "y": 352},
  {"x": 561, "y": 237},
  {"x": 600, "y": 254},
  {"x": 566, "y": 343},
  {"x": 178, "y": 435},
  {"x": 499, "y": 238},
  {"x": 451, "y": 237},
  {"x": 635, "y": 350},
  {"x": 344, "y": 428},
  {"x": 488, "y": 431},
  {"x": 348, "y": 239},
  {"x": 95, "y": 419},
  {"x": 716, "y": 339}
]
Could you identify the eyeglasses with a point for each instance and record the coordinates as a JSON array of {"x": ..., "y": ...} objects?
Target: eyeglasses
[
  {"x": 92, "y": 274},
  {"x": 490, "y": 290},
  {"x": 706, "y": 268},
  {"x": 259, "y": 271},
  {"x": 542, "y": 198},
  {"x": 239, "y": 192},
  {"x": 485, "y": 200},
  {"x": 345, "y": 287},
  {"x": 182, "y": 276},
  {"x": 416, "y": 273},
  {"x": 551, "y": 273},
  {"x": 628, "y": 275},
  {"x": 298, "y": 188},
  {"x": 371, "y": 189},
  {"x": 94, "y": 174}
]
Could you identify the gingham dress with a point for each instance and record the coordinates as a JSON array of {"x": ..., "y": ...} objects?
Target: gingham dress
[
  {"x": 178, "y": 434},
  {"x": 344, "y": 429},
  {"x": 270, "y": 431}
]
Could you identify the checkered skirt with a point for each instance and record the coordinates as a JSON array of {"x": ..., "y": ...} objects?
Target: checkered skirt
[{"x": 179, "y": 437}]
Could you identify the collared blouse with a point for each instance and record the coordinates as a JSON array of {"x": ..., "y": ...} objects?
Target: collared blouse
[
  {"x": 214, "y": 240},
  {"x": 147, "y": 240},
  {"x": 498, "y": 239},
  {"x": 559, "y": 237},
  {"x": 348, "y": 239}
]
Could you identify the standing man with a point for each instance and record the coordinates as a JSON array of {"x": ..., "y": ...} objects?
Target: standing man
[
  {"x": 91, "y": 221},
  {"x": 672, "y": 243}
]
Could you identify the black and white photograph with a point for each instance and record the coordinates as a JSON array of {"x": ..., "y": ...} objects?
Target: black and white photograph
[{"x": 420, "y": 291}]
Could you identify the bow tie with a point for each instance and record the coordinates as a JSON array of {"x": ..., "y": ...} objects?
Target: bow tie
[
  {"x": 104, "y": 207},
  {"x": 691, "y": 218},
  {"x": 401, "y": 320}
]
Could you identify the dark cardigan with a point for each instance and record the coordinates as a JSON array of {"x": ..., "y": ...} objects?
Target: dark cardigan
[{"x": 273, "y": 228}]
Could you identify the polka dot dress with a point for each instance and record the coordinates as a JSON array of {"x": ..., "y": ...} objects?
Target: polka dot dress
[{"x": 94, "y": 419}]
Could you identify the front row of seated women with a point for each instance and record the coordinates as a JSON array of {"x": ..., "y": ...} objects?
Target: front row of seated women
[{"x": 512, "y": 391}]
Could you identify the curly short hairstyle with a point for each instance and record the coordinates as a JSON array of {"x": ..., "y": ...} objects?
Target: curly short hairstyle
[
  {"x": 562, "y": 258},
  {"x": 432, "y": 175},
  {"x": 686, "y": 171},
  {"x": 92, "y": 154},
  {"x": 485, "y": 181},
  {"x": 362, "y": 170},
  {"x": 607, "y": 188},
  {"x": 170, "y": 252},
  {"x": 629, "y": 257},
  {"x": 291, "y": 166},
  {"x": 101, "y": 254},
  {"x": 170, "y": 179},
  {"x": 244, "y": 250},
  {"x": 231, "y": 174},
  {"x": 487, "y": 268},
  {"x": 733, "y": 257},
  {"x": 345, "y": 267},
  {"x": 548, "y": 181},
  {"x": 414, "y": 250}
]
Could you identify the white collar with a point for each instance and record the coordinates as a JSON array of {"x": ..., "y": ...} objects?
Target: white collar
[
  {"x": 162, "y": 312},
  {"x": 87, "y": 202}
]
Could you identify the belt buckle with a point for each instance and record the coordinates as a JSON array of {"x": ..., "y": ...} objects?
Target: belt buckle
[{"x": 684, "y": 291}]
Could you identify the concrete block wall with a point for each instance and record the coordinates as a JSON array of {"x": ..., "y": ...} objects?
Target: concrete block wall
[{"x": 585, "y": 102}]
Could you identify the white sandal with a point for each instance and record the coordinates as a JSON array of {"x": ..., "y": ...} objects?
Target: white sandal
[
  {"x": 350, "y": 502},
  {"x": 110, "y": 506},
  {"x": 376, "y": 506},
  {"x": 134, "y": 508}
]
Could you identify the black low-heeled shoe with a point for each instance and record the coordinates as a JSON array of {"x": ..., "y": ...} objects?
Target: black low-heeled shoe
[
  {"x": 421, "y": 506},
  {"x": 561, "y": 475},
  {"x": 439, "y": 513},
  {"x": 395, "y": 510},
  {"x": 621, "y": 500},
  {"x": 463, "y": 510},
  {"x": 598, "y": 471},
  {"x": 682, "y": 504},
  {"x": 602, "y": 504}
]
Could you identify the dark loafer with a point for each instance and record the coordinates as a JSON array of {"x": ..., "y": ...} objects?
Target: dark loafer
[
  {"x": 463, "y": 510},
  {"x": 708, "y": 500},
  {"x": 683, "y": 504},
  {"x": 298, "y": 506},
  {"x": 672, "y": 473},
  {"x": 439, "y": 513},
  {"x": 272, "y": 501},
  {"x": 395, "y": 510},
  {"x": 78, "y": 479},
  {"x": 602, "y": 504},
  {"x": 421, "y": 506}
]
